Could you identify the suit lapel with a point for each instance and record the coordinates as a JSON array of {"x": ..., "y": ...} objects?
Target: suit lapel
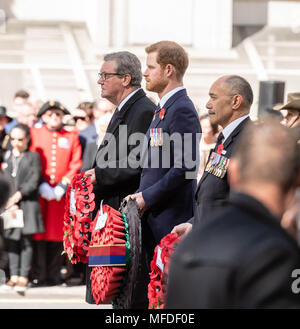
[
  {"x": 235, "y": 132},
  {"x": 169, "y": 103},
  {"x": 119, "y": 119},
  {"x": 228, "y": 141}
]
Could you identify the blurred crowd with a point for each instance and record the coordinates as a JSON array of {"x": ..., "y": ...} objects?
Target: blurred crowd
[{"x": 37, "y": 163}]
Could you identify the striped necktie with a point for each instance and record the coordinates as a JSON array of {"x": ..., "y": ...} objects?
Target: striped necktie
[{"x": 157, "y": 110}]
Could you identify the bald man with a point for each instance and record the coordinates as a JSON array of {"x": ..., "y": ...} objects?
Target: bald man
[
  {"x": 242, "y": 257},
  {"x": 230, "y": 99}
]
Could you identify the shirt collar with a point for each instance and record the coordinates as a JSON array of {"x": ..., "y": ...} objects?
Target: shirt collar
[
  {"x": 127, "y": 98},
  {"x": 168, "y": 95},
  {"x": 230, "y": 128}
]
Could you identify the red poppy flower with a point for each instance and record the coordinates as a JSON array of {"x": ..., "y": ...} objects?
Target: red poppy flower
[
  {"x": 86, "y": 225},
  {"x": 87, "y": 197},
  {"x": 162, "y": 113},
  {"x": 83, "y": 190},
  {"x": 86, "y": 207},
  {"x": 220, "y": 149}
]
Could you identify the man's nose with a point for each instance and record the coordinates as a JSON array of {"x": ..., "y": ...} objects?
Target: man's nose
[
  {"x": 208, "y": 105},
  {"x": 145, "y": 73}
]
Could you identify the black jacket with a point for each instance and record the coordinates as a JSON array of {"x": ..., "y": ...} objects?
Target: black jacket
[
  {"x": 212, "y": 191},
  {"x": 27, "y": 182},
  {"x": 241, "y": 258}
]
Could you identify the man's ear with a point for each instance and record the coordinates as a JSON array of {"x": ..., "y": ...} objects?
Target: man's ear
[
  {"x": 126, "y": 80},
  {"x": 170, "y": 70},
  {"x": 237, "y": 100},
  {"x": 233, "y": 173}
]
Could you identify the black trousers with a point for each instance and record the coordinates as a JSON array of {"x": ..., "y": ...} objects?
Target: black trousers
[{"x": 48, "y": 261}]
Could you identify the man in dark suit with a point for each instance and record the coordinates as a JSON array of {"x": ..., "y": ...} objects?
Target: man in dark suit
[
  {"x": 166, "y": 192},
  {"x": 229, "y": 105},
  {"x": 113, "y": 178},
  {"x": 242, "y": 257}
]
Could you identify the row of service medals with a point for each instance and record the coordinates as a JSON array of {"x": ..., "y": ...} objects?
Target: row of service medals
[
  {"x": 156, "y": 137},
  {"x": 217, "y": 164}
]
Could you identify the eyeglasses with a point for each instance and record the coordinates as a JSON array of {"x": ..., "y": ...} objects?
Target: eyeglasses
[{"x": 104, "y": 75}]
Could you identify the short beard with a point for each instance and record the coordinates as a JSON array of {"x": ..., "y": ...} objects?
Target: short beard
[{"x": 158, "y": 86}]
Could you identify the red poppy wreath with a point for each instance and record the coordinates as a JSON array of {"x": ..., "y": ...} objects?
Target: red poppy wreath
[
  {"x": 114, "y": 254},
  {"x": 77, "y": 222},
  {"x": 159, "y": 270},
  {"x": 107, "y": 254}
]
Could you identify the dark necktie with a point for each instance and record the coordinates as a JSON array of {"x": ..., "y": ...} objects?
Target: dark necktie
[
  {"x": 219, "y": 141},
  {"x": 113, "y": 118},
  {"x": 157, "y": 110}
]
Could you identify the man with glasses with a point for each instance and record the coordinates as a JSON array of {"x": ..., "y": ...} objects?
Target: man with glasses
[
  {"x": 60, "y": 154},
  {"x": 113, "y": 177}
]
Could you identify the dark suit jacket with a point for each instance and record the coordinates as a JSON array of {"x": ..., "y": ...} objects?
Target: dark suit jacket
[
  {"x": 241, "y": 258},
  {"x": 168, "y": 194},
  {"x": 213, "y": 191},
  {"x": 113, "y": 184},
  {"x": 27, "y": 182}
]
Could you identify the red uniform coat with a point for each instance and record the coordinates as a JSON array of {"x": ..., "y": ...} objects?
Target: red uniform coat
[{"x": 60, "y": 154}]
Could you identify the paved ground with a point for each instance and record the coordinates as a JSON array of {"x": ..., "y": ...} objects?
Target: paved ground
[{"x": 56, "y": 297}]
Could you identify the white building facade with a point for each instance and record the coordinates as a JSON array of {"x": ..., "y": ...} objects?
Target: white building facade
[{"x": 54, "y": 48}]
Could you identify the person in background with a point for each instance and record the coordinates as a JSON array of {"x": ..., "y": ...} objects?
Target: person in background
[
  {"x": 88, "y": 107},
  {"x": 242, "y": 257},
  {"x": 291, "y": 219},
  {"x": 4, "y": 137},
  {"x": 4, "y": 195},
  {"x": 27, "y": 115},
  {"x": 23, "y": 170},
  {"x": 81, "y": 121},
  {"x": 292, "y": 106},
  {"x": 21, "y": 97},
  {"x": 102, "y": 113},
  {"x": 207, "y": 142},
  {"x": 60, "y": 154},
  {"x": 96, "y": 131}
]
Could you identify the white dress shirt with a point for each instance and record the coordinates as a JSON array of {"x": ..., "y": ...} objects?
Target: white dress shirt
[
  {"x": 230, "y": 128},
  {"x": 168, "y": 95}
]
